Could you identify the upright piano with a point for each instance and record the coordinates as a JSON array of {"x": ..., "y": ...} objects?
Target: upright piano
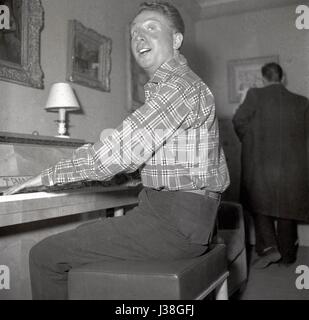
[{"x": 34, "y": 214}]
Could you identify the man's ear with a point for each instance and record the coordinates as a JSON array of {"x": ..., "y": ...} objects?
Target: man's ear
[{"x": 178, "y": 39}]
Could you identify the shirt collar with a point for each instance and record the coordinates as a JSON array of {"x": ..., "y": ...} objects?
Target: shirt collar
[{"x": 167, "y": 68}]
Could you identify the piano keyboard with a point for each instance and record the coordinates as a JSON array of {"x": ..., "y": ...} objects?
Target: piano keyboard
[
  {"x": 28, "y": 207},
  {"x": 131, "y": 180},
  {"x": 38, "y": 203}
]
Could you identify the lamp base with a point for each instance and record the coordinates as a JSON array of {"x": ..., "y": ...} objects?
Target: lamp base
[{"x": 61, "y": 127}]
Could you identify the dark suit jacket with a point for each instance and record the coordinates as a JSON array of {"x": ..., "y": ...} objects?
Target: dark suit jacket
[{"x": 273, "y": 126}]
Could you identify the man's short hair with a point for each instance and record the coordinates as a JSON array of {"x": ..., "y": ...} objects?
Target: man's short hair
[
  {"x": 168, "y": 10},
  {"x": 272, "y": 72}
]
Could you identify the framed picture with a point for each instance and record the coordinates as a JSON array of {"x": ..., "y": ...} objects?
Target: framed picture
[
  {"x": 20, "y": 43},
  {"x": 244, "y": 74},
  {"x": 89, "y": 57},
  {"x": 137, "y": 78}
]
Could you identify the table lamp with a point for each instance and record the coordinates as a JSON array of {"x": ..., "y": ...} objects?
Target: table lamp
[{"x": 61, "y": 99}]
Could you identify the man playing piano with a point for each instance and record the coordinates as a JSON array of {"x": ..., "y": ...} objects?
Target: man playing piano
[{"x": 173, "y": 140}]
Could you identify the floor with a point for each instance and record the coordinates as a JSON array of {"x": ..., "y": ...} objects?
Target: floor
[{"x": 277, "y": 282}]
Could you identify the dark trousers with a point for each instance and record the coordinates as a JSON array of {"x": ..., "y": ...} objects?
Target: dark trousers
[
  {"x": 164, "y": 225},
  {"x": 283, "y": 237}
]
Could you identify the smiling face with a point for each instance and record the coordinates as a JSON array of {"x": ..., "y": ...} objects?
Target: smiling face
[{"x": 153, "y": 40}]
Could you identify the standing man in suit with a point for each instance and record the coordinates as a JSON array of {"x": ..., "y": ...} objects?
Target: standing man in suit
[{"x": 272, "y": 124}]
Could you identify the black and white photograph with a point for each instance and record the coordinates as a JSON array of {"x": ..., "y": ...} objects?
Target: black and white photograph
[{"x": 154, "y": 153}]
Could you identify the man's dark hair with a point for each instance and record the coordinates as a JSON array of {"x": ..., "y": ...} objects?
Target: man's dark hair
[
  {"x": 272, "y": 72},
  {"x": 168, "y": 10}
]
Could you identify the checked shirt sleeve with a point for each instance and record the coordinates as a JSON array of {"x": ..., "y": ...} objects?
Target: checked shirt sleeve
[{"x": 131, "y": 144}]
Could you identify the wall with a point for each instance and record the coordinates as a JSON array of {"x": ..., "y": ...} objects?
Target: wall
[
  {"x": 253, "y": 34},
  {"x": 22, "y": 108}
]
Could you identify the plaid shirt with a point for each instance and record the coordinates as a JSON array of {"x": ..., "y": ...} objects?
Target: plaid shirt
[{"x": 173, "y": 139}]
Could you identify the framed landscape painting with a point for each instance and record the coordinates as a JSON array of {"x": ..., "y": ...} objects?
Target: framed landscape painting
[{"x": 89, "y": 57}]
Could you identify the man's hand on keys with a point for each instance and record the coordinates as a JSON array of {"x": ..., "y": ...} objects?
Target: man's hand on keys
[{"x": 32, "y": 182}]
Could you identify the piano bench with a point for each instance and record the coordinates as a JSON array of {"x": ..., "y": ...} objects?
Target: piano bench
[{"x": 185, "y": 279}]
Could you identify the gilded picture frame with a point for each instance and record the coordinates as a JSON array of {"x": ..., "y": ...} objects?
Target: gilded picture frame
[
  {"x": 89, "y": 57},
  {"x": 246, "y": 73},
  {"x": 20, "y": 44}
]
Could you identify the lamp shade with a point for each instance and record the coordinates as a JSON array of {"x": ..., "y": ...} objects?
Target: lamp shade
[{"x": 61, "y": 96}]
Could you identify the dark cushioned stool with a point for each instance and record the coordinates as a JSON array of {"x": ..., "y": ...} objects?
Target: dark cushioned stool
[
  {"x": 152, "y": 280},
  {"x": 231, "y": 232}
]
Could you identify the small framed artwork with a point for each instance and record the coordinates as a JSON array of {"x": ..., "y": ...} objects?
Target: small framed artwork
[
  {"x": 137, "y": 78},
  {"x": 244, "y": 74},
  {"x": 89, "y": 57}
]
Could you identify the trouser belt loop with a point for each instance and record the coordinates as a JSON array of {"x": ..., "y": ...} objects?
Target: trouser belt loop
[{"x": 212, "y": 194}]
